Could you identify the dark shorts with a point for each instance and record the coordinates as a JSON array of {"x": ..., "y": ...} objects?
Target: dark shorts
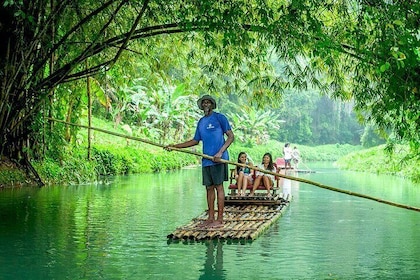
[
  {"x": 287, "y": 160},
  {"x": 215, "y": 174}
]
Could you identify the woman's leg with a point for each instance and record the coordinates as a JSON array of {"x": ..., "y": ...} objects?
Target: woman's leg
[
  {"x": 267, "y": 183},
  {"x": 247, "y": 181},
  {"x": 239, "y": 182},
  {"x": 256, "y": 184},
  {"x": 243, "y": 186}
]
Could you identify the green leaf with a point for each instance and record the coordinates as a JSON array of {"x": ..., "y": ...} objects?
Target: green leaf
[
  {"x": 385, "y": 67},
  {"x": 398, "y": 22}
]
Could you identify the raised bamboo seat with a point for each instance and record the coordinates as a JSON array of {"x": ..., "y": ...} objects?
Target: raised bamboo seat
[{"x": 233, "y": 187}]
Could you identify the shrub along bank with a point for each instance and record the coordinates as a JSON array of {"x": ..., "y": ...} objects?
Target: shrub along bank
[
  {"x": 109, "y": 161},
  {"x": 377, "y": 160}
]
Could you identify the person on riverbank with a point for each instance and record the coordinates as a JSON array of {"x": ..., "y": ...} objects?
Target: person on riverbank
[
  {"x": 287, "y": 152},
  {"x": 295, "y": 157},
  {"x": 243, "y": 175},
  {"x": 211, "y": 130},
  {"x": 267, "y": 179}
]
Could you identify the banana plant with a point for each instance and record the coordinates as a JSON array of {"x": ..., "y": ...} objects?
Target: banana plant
[{"x": 255, "y": 125}]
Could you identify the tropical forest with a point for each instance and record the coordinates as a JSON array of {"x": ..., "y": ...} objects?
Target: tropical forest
[{"x": 97, "y": 88}]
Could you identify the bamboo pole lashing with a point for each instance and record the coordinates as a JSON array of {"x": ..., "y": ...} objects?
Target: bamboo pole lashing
[{"x": 408, "y": 207}]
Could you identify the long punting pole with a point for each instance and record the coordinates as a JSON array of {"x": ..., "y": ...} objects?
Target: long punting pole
[{"x": 244, "y": 165}]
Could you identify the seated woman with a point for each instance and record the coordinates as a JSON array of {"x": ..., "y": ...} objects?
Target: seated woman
[
  {"x": 266, "y": 179},
  {"x": 243, "y": 175}
]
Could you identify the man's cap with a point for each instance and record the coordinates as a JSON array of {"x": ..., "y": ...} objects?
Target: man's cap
[{"x": 206, "y": 97}]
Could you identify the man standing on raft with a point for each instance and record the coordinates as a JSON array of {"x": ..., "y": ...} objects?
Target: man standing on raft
[{"x": 211, "y": 129}]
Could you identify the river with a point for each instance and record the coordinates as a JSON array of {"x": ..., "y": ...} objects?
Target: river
[{"x": 117, "y": 230}]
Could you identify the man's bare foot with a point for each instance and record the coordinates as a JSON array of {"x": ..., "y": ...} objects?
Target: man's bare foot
[
  {"x": 215, "y": 224},
  {"x": 206, "y": 223}
]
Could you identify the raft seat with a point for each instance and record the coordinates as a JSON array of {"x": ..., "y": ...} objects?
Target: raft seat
[{"x": 233, "y": 187}]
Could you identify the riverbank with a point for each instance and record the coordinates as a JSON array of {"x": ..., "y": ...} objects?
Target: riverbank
[
  {"x": 376, "y": 160},
  {"x": 137, "y": 158},
  {"x": 73, "y": 168},
  {"x": 12, "y": 176},
  {"x": 115, "y": 158}
]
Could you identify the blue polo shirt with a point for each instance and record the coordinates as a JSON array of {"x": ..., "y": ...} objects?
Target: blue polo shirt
[{"x": 211, "y": 130}]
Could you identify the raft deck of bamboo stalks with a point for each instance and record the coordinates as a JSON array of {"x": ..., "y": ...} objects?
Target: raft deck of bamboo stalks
[{"x": 245, "y": 218}]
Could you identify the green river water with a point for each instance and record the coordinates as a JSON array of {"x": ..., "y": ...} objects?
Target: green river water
[{"x": 118, "y": 230}]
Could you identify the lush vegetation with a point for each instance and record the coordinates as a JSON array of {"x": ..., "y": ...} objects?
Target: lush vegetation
[
  {"x": 11, "y": 176},
  {"x": 143, "y": 64},
  {"x": 377, "y": 160}
]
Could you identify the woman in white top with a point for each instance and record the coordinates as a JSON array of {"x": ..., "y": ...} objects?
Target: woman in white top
[{"x": 266, "y": 179}]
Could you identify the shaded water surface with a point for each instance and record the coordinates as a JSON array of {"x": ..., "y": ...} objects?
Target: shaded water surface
[{"x": 118, "y": 231}]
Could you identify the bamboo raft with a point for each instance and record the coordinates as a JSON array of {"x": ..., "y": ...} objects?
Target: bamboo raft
[{"x": 245, "y": 218}]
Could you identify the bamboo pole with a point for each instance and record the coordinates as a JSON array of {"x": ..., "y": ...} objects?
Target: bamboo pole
[{"x": 408, "y": 207}]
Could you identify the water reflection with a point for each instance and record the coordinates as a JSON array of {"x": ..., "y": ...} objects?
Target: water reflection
[
  {"x": 213, "y": 266},
  {"x": 286, "y": 184}
]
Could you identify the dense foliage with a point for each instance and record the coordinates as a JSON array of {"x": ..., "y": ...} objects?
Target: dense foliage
[
  {"x": 258, "y": 49},
  {"x": 377, "y": 160}
]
